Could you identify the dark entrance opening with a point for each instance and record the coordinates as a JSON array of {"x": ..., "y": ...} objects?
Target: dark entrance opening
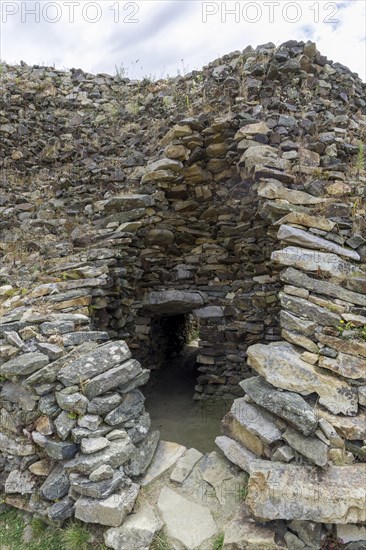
[{"x": 169, "y": 393}]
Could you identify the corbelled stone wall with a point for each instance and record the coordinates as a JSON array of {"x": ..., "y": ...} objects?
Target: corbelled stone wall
[{"x": 235, "y": 195}]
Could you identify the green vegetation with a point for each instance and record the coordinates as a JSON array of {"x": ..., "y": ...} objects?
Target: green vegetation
[
  {"x": 360, "y": 162},
  {"x": 218, "y": 542},
  {"x": 160, "y": 542},
  {"x": 19, "y": 532},
  {"x": 77, "y": 537},
  {"x": 360, "y": 332},
  {"x": 243, "y": 491}
]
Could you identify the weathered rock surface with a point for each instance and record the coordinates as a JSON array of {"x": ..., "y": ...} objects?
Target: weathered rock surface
[
  {"x": 95, "y": 363},
  {"x": 137, "y": 531},
  {"x": 336, "y": 495},
  {"x": 165, "y": 457},
  {"x": 296, "y": 236},
  {"x": 110, "y": 511},
  {"x": 186, "y": 522},
  {"x": 287, "y": 405},
  {"x": 24, "y": 364},
  {"x": 112, "y": 378},
  {"x": 280, "y": 364},
  {"x": 173, "y": 302},
  {"x": 115, "y": 455}
]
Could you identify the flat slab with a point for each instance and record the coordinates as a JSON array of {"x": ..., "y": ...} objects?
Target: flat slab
[
  {"x": 244, "y": 534},
  {"x": 165, "y": 457},
  {"x": 280, "y": 364},
  {"x": 110, "y": 511},
  {"x": 289, "y": 491},
  {"x": 186, "y": 522},
  {"x": 137, "y": 531},
  {"x": 173, "y": 302}
]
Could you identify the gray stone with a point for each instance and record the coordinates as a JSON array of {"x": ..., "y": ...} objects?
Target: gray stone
[
  {"x": 280, "y": 364},
  {"x": 57, "y": 327},
  {"x": 97, "y": 362},
  {"x": 165, "y": 457},
  {"x": 125, "y": 203},
  {"x": 110, "y": 511},
  {"x": 138, "y": 428},
  {"x": 143, "y": 456},
  {"x": 137, "y": 531},
  {"x": 59, "y": 450},
  {"x": 309, "y": 532},
  {"x": 345, "y": 365},
  {"x": 98, "y": 489},
  {"x": 237, "y": 453},
  {"x": 302, "y": 341},
  {"x": 256, "y": 420},
  {"x": 90, "y": 422},
  {"x": 160, "y": 237},
  {"x": 49, "y": 373},
  {"x": 64, "y": 423},
  {"x": 24, "y": 364},
  {"x": 93, "y": 445},
  {"x": 209, "y": 312},
  {"x": 185, "y": 465},
  {"x": 351, "y": 533},
  {"x": 139, "y": 380},
  {"x": 77, "y": 338},
  {"x": 273, "y": 189},
  {"x": 309, "y": 310},
  {"x": 293, "y": 541},
  {"x": 14, "y": 339},
  {"x": 18, "y": 394},
  {"x": 187, "y": 523},
  {"x": 115, "y": 455},
  {"x": 81, "y": 433},
  {"x": 294, "y": 235},
  {"x": 62, "y": 510},
  {"x": 293, "y": 276},
  {"x": 283, "y": 454},
  {"x": 228, "y": 482},
  {"x": 48, "y": 404},
  {"x": 114, "y": 377},
  {"x": 104, "y": 404},
  {"x": 291, "y": 322},
  {"x": 292, "y": 492},
  {"x": 287, "y": 405},
  {"x": 131, "y": 406},
  {"x": 242, "y": 533},
  {"x": 56, "y": 485},
  {"x": 173, "y": 302},
  {"x": 311, "y": 447},
  {"x": 51, "y": 350},
  {"x": 20, "y": 482},
  {"x": 75, "y": 402},
  {"x": 102, "y": 473},
  {"x": 315, "y": 261}
]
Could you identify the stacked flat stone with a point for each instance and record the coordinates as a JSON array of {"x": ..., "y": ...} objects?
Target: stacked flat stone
[
  {"x": 74, "y": 430},
  {"x": 300, "y": 429}
]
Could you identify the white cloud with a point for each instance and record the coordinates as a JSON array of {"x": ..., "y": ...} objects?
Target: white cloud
[{"x": 172, "y": 30}]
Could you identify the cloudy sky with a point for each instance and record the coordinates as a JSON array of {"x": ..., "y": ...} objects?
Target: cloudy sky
[{"x": 160, "y": 37}]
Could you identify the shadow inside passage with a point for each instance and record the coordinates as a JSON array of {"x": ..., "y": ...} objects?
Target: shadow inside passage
[{"x": 173, "y": 411}]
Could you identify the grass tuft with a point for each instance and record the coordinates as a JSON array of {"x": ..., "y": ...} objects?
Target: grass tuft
[{"x": 76, "y": 537}]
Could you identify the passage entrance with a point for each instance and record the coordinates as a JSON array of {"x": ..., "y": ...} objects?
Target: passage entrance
[{"x": 169, "y": 393}]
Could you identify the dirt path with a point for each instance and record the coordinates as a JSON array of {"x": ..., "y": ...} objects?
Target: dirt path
[{"x": 172, "y": 409}]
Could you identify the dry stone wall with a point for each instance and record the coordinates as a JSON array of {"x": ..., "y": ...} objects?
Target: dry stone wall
[{"x": 120, "y": 210}]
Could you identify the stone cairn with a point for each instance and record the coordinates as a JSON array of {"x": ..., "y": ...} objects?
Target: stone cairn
[{"x": 250, "y": 217}]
